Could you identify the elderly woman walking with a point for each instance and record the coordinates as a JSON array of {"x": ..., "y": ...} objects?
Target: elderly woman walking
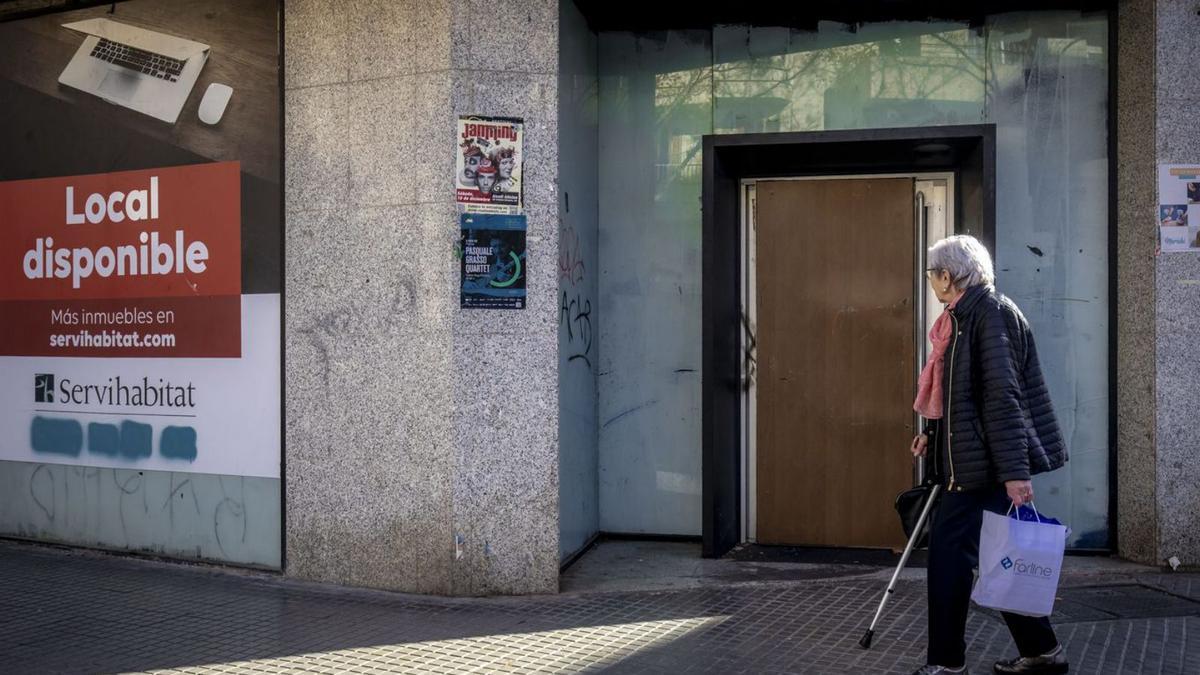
[{"x": 990, "y": 428}]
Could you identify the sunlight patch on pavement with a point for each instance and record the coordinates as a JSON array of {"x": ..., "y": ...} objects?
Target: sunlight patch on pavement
[{"x": 565, "y": 650}]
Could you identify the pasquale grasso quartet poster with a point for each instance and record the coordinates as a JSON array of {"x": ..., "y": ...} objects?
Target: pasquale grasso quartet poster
[{"x": 493, "y": 263}]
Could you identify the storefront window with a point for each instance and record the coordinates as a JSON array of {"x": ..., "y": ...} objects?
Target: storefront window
[
  {"x": 1041, "y": 78},
  {"x": 1048, "y": 97},
  {"x": 655, "y": 108}
]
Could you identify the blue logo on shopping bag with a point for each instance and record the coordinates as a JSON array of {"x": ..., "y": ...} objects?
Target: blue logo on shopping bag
[{"x": 1007, "y": 563}]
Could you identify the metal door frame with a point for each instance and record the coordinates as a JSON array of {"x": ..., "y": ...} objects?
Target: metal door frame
[{"x": 969, "y": 151}]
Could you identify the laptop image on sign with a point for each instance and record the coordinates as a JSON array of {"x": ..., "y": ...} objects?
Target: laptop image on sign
[{"x": 140, "y": 69}]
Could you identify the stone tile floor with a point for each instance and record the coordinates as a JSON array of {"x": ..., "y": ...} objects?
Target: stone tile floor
[{"x": 65, "y": 611}]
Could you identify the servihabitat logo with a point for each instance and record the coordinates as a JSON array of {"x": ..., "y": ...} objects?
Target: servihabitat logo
[
  {"x": 43, "y": 388},
  {"x": 117, "y": 391}
]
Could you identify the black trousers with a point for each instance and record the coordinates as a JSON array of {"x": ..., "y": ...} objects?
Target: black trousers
[{"x": 953, "y": 555}]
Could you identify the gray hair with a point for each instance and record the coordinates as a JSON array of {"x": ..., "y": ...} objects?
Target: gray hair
[{"x": 967, "y": 261}]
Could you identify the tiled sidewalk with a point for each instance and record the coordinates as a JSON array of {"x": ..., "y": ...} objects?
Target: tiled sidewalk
[{"x": 65, "y": 611}]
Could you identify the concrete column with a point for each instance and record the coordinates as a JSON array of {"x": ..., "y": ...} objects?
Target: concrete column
[
  {"x": 1158, "y": 295},
  {"x": 1177, "y": 297},
  {"x": 422, "y": 440},
  {"x": 505, "y": 62},
  {"x": 1137, "y": 519}
]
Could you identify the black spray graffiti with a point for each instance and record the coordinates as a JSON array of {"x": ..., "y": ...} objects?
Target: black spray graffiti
[
  {"x": 750, "y": 356},
  {"x": 74, "y": 503},
  {"x": 575, "y": 308},
  {"x": 576, "y": 314}
]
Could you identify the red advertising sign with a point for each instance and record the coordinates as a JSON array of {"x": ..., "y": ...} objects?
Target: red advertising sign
[{"x": 135, "y": 263}]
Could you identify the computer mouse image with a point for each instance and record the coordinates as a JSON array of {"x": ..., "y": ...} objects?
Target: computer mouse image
[{"x": 212, "y": 106}]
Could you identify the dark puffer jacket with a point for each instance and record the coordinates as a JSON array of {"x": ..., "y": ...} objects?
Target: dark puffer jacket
[{"x": 999, "y": 421}]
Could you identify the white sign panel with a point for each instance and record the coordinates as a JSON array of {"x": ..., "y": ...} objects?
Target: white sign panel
[{"x": 203, "y": 415}]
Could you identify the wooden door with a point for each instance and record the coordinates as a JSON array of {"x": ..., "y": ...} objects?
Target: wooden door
[{"x": 835, "y": 340}]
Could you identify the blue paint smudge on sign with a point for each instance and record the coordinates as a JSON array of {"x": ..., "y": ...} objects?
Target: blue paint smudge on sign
[
  {"x": 135, "y": 439},
  {"x": 178, "y": 443},
  {"x": 56, "y": 437},
  {"x": 104, "y": 439}
]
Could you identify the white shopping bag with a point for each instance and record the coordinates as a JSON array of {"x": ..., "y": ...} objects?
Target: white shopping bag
[{"x": 1019, "y": 564}]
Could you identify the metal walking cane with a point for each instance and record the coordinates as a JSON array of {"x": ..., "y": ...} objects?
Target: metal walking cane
[{"x": 865, "y": 642}]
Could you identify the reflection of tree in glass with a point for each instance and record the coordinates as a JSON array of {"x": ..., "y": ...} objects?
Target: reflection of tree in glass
[
  {"x": 837, "y": 78},
  {"x": 819, "y": 83},
  {"x": 682, "y": 114},
  {"x": 822, "y": 81}
]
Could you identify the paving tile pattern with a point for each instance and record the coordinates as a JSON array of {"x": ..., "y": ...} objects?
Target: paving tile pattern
[{"x": 71, "y": 612}]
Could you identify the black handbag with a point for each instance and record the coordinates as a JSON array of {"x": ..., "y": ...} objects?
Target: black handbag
[{"x": 908, "y": 506}]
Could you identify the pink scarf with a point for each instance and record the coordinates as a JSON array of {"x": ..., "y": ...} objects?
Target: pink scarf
[{"x": 929, "y": 385}]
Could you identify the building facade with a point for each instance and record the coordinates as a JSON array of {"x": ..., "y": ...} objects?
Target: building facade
[{"x": 690, "y": 188}]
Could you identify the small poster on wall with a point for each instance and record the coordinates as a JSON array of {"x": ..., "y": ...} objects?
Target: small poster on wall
[
  {"x": 489, "y": 175},
  {"x": 493, "y": 269},
  {"x": 1178, "y": 194}
]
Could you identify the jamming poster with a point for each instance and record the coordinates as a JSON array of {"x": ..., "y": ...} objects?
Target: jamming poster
[{"x": 488, "y": 176}]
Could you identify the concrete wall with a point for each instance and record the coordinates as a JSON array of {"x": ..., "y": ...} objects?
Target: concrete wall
[
  {"x": 422, "y": 440},
  {"x": 578, "y": 317}
]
